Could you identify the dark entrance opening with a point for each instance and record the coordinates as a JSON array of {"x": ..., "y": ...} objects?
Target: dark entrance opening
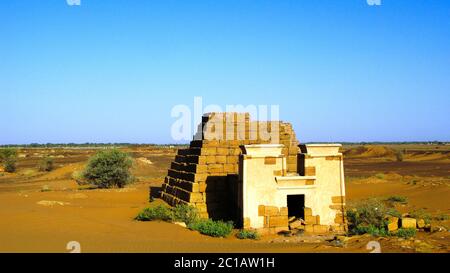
[{"x": 296, "y": 205}]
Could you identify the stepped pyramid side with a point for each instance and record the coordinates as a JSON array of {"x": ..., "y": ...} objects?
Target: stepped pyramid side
[{"x": 205, "y": 174}]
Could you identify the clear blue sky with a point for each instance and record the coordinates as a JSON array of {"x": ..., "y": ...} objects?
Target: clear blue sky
[{"x": 111, "y": 71}]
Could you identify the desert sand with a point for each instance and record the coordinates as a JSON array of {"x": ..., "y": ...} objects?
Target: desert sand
[{"x": 43, "y": 211}]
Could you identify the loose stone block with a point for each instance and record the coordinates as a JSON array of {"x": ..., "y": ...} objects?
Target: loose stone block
[
  {"x": 409, "y": 223},
  {"x": 392, "y": 224}
]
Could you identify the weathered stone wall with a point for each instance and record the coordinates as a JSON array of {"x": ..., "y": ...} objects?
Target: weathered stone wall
[{"x": 205, "y": 174}]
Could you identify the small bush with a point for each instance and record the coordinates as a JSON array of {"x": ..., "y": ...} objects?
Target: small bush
[
  {"x": 185, "y": 213},
  {"x": 161, "y": 213},
  {"x": 78, "y": 177},
  {"x": 212, "y": 228},
  {"x": 370, "y": 212},
  {"x": 9, "y": 165},
  {"x": 421, "y": 214},
  {"x": 7, "y": 153},
  {"x": 247, "y": 234},
  {"x": 372, "y": 230},
  {"x": 380, "y": 175},
  {"x": 46, "y": 164},
  {"x": 8, "y": 157},
  {"x": 393, "y": 212},
  {"x": 397, "y": 199},
  {"x": 399, "y": 156},
  {"x": 110, "y": 168},
  {"x": 442, "y": 217},
  {"x": 406, "y": 233}
]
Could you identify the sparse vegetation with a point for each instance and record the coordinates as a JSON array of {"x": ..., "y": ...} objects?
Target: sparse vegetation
[
  {"x": 110, "y": 168},
  {"x": 180, "y": 213},
  {"x": 372, "y": 230},
  {"x": 161, "y": 213},
  {"x": 8, "y": 157},
  {"x": 212, "y": 228},
  {"x": 46, "y": 164},
  {"x": 421, "y": 214},
  {"x": 442, "y": 217},
  {"x": 405, "y": 233},
  {"x": 78, "y": 177},
  {"x": 247, "y": 234},
  {"x": 188, "y": 215},
  {"x": 380, "y": 175},
  {"x": 185, "y": 213},
  {"x": 397, "y": 199},
  {"x": 368, "y": 216}
]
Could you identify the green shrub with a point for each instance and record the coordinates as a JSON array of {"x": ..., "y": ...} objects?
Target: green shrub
[
  {"x": 46, "y": 164},
  {"x": 212, "y": 228},
  {"x": 442, "y": 217},
  {"x": 393, "y": 212},
  {"x": 185, "y": 213},
  {"x": 368, "y": 212},
  {"x": 406, "y": 233},
  {"x": 421, "y": 214},
  {"x": 9, "y": 165},
  {"x": 7, "y": 153},
  {"x": 180, "y": 213},
  {"x": 247, "y": 234},
  {"x": 380, "y": 175},
  {"x": 78, "y": 177},
  {"x": 397, "y": 199},
  {"x": 8, "y": 157},
  {"x": 161, "y": 213},
  {"x": 110, "y": 168},
  {"x": 372, "y": 230}
]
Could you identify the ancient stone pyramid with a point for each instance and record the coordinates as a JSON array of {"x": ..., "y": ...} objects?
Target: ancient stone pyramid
[{"x": 205, "y": 174}]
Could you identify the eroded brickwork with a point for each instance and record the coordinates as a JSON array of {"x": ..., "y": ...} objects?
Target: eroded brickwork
[{"x": 205, "y": 174}]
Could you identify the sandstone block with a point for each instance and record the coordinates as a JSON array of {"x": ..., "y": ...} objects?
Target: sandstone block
[
  {"x": 409, "y": 223},
  {"x": 307, "y": 211},
  {"x": 232, "y": 159},
  {"x": 284, "y": 211},
  {"x": 222, "y": 151},
  {"x": 296, "y": 225},
  {"x": 211, "y": 159},
  {"x": 228, "y": 168},
  {"x": 392, "y": 223},
  {"x": 310, "y": 220},
  {"x": 261, "y": 210},
  {"x": 310, "y": 171},
  {"x": 270, "y": 160},
  {"x": 338, "y": 199},
  {"x": 421, "y": 223},
  {"x": 271, "y": 211},
  {"x": 215, "y": 168},
  {"x": 221, "y": 159},
  {"x": 320, "y": 228},
  {"x": 278, "y": 221},
  {"x": 309, "y": 228}
]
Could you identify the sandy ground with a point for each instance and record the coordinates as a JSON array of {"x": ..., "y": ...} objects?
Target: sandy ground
[{"x": 33, "y": 220}]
